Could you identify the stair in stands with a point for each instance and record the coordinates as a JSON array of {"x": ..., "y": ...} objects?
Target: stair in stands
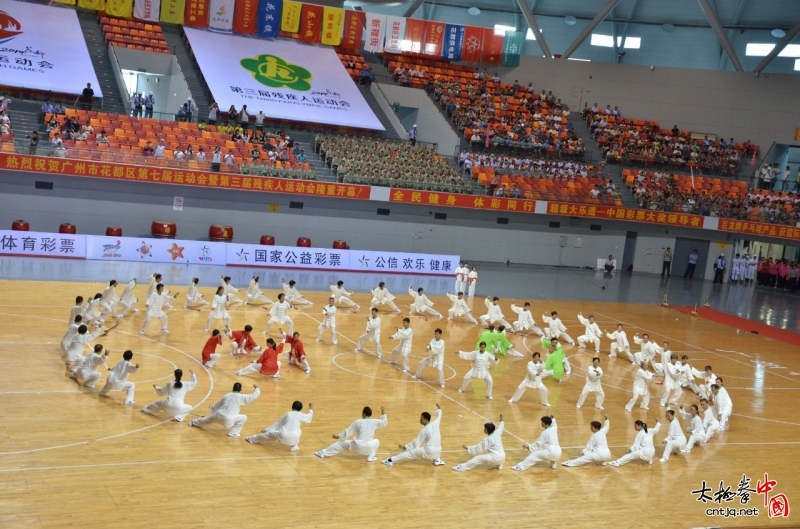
[
  {"x": 593, "y": 154},
  {"x": 96, "y": 44},
  {"x": 379, "y": 113},
  {"x": 23, "y": 123},
  {"x": 191, "y": 70}
]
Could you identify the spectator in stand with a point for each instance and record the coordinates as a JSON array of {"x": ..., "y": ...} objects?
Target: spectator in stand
[
  {"x": 229, "y": 159},
  {"x": 351, "y": 65},
  {"x": 191, "y": 108},
  {"x": 47, "y": 108},
  {"x": 216, "y": 159},
  {"x": 138, "y": 104},
  {"x": 213, "y": 113},
  {"x": 148, "y": 149},
  {"x": 244, "y": 117},
  {"x": 159, "y": 150},
  {"x": 233, "y": 115},
  {"x": 149, "y": 103},
  {"x": 201, "y": 155},
  {"x": 782, "y": 181},
  {"x": 59, "y": 108},
  {"x": 33, "y": 142},
  {"x": 87, "y": 97},
  {"x": 179, "y": 155},
  {"x": 56, "y": 139},
  {"x": 52, "y": 124},
  {"x": 60, "y": 151},
  {"x": 102, "y": 138},
  {"x": 181, "y": 114},
  {"x": 5, "y": 100},
  {"x": 398, "y": 72},
  {"x": 260, "y": 120}
]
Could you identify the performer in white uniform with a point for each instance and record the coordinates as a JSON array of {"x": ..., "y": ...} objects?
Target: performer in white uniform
[
  {"x": 155, "y": 308},
  {"x": 435, "y": 357},
  {"x": 738, "y": 268},
  {"x": 460, "y": 308},
  {"x": 688, "y": 374},
  {"x": 647, "y": 353},
  {"x": 230, "y": 290},
  {"x": 676, "y": 440},
  {"x": 427, "y": 445},
  {"x": 92, "y": 312},
  {"x": 481, "y": 360},
  {"x": 697, "y": 434},
  {"x": 373, "y": 333},
  {"x": 109, "y": 300},
  {"x": 74, "y": 351},
  {"x": 723, "y": 405},
  {"x": 546, "y": 447},
  {"x": 286, "y": 430},
  {"x": 328, "y": 320},
  {"x": 556, "y": 329},
  {"x": 461, "y": 277},
  {"x": 710, "y": 422},
  {"x": 86, "y": 373},
  {"x": 421, "y": 305},
  {"x": 363, "y": 433},
  {"x": 472, "y": 279},
  {"x": 752, "y": 264},
  {"x": 341, "y": 296},
  {"x": 127, "y": 300},
  {"x": 152, "y": 283},
  {"x": 596, "y": 450},
  {"x": 193, "y": 297},
  {"x": 640, "y": 388},
  {"x": 495, "y": 314},
  {"x": 533, "y": 380},
  {"x": 405, "y": 336},
  {"x": 254, "y": 295},
  {"x": 175, "y": 392},
  {"x": 77, "y": 310},
  {"x": 664, "y": 354},
  {"x": 620, "y": 342},
  {"x": 381, "y": 296},
  {"x": 593, "y": 375},
  {"x": 71, "y": 333},
  {"x": 279, "y": 313},
  {"x": 219, "y": 306},
  {"x": 642, "y": 447},
  {"x": 227, "y": 410},
  {"x": 493, "y": 446},
  {"x": 709, "y": 378},
  {"x": 525, "y": 321},
  {"x": 292, "y": 295},
  {"x": 592, "y": 333},
  {"x": 118, "y": 378},
  {"x": 672, "y": 381}
]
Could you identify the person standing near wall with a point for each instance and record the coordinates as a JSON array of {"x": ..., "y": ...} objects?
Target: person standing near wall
[
  {"x": 693, "y": 257},
  {"x": 719, "y": 269},
  {"x": 412, "y": 135},
  {"x": 666, "y": 268}
]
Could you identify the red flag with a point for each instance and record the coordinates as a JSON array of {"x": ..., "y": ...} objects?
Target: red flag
[
  {"x": 415, "y": 32},
  {"x": 244, "y": 16},
  {"x": 354, "y": 22},
  {"x": 492, "y": 47},
  {"x": 434, "y": 37},
  {"x": 473, "y": 44},
  {"x": 196, "y": 13},
  {"x": 310, "y": 23}
]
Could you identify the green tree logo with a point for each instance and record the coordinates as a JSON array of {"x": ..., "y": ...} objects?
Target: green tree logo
[{"x": 273, "y": 71}]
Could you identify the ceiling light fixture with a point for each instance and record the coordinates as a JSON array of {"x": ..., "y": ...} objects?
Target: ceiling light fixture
[
  {"x": 570, "y": 20},
  {"x": 473, "y": 11},
  {"x": 778, "y": 33}
]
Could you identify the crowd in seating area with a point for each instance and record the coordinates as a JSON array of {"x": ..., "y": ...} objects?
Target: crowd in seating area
[
  {"x": 6, "y": 132},
  {"x": 639, "y": 142},
  {"x": 143, "y": 36},
  {"x": 361, "y": 160},
  {"x": 782, "y": 274},
  {"x": 353, "y": 63}
]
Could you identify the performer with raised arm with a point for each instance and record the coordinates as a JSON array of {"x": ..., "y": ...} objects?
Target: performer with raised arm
[
  {"x": 296, "y": 355},
  {"x": 118, "y": 378},
  {"x": 286, "y": 430},
  {"x": 555, "y": 361},
  {"x": 619, "y": 342},
  {"x": 593, "y": 385},
  {"x": 533, "y": 380},
  {"x": 640, "y": 388},
  {"x": 341, "y": 296},
  {"x": 193, "y": 297},
  {"x": 267, "y": 364},
  {"x": 493, "y": 446},
  {"x": 676, "y": 440},
  {"x": 156, "y": 304},
  {"x": 525, "y": 321},
  {"x": 697, "y": 434},
  {"x": 127, "y": 300},
  {"x": 292, "y": 295},
  {"x": 328, "y": 320},
  {"x": 709, "y": 378},
  {"x": 219, "y": 309},
  {"x": 242, "y": 342},
  {"x": 405, "y": 335},
  {"x": 77, "y": 310},
  {"x": 175, "y": 392},
  {"x": 556, "y": 329},
  {"x": 363, "y": 433},
  {"x": 648, "y": 349},
  {"x": 427, "y": 445},
  {"x": 642, "y": 447},
  {"x": 596, "y": 450},
  {"x": 152, "y": 283},
  {"x": 688, "y": 374},
  {"x": 254, "y": 295},
  {"x": 546, "y": 447},
  {"x": 74, "y": 351},
  {"x": 460, "y": 308},
  {"x": 381, "y": 296},
  {"x": 592, "y": 333},
  {"x": 108, "y": 301},
  {"x": 421, "y": 305},
  {"x": 435, "y": 357},
  {"x": 710, "y": 422},
  {"x": 279, "y": 313},
  {"x": 472, "y": 278},
  {"x": 71, "y": 332},
  {"x": 502, "y": 345},
  {"x": 230, "y": 290},
  {"x": 723, "y": 405},
  {"x": 227, "y": 410},
  {"x": 494, "y": 314},
  {"x": 86, "y": 373},
  {"x": 481, "y": 361},
  {"x": 373, "y": 333},
  {"x": 672, "y": 381}
]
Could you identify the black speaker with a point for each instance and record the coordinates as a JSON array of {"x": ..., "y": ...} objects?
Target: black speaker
[
  {"x": 440, "y": 216},
  {"x": 595, "y": 227},
  {"x": 554, "y": 224},
  {"x": 295, "y": 205},
  {"x": 383, "y": 211},
  {"x": 43, "y": 185},
  {"x": 502, "y": 220}
]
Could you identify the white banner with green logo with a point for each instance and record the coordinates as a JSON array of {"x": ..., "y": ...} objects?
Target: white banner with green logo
[
  {"x": 283, "y": 78},
  {"x": 220, "y": 15}
]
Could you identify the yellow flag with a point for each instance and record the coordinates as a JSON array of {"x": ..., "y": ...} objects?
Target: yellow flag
[
  {"x": 119, "y": 8},
  {"x": 68, "y": 2},
  {"x": 94, "y": 5},
  {"x": 332, "y": 23},
  {"x": 290, "y": 18},
  {"x": 172, "y": 11}
]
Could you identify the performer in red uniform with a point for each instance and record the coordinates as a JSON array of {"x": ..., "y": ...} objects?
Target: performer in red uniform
[
  {"x": 267, "y": 364},
  {"x": 242, "y": 342},
  {"x": 210, "y": 355},
  {"x": 296, "y": 354}
]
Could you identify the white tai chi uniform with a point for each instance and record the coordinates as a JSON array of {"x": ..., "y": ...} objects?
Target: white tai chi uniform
[
  {"x": 495, "y": 454},
  {"x": 723, "y": 406},
  {"x": 279, "y": 313},
  {"x": 74, "y": 351},
  {"x": 373, "y": 334},
  {"x": 460, "y": 309},
  {"x": 92, "y": 312},
  {"x": 665, "y": 355},
  {"x": 556, "y": 329},
  {"x": 619, "y": 343},
  {"x": 427, "y": 445},
  {"x": 227, "y": 412},
  {"x": 533, "y": 380},
  {"x": 640, "y": 381},
  {"x": 293, "y": 296},
  {"x": 108, "y": 302},
  {"x": 230, "y": 291},
  {"x": 525, "y": 321},
  {"x": 710, "y": 423},
  {"x": 381, "y": 296},
  {"x": 462, "y": 273},
  {"x": 71, "y": 333},
  {"x": 127, "y": 300},
  {"x": 405, "y": 336},
  {"x": 697, "y": 433},
  {"x": 738, "y": 268},
  {"x": 688, "y": 374},
  {"x": 329, "y": 321},
  {"x": 472, "y": 279},
  {"x": 342, "y": 297},
  {"x": 86, "y": 372},
  {"x": 219, "y": 311},
  {"x": 495, "y": 315},
  {"x": 151, "y": 289},
  {"x": 480, "y": 369},
  {"x": 286, "y": 430},
  {"x": 593, "y": 375},
  {"x": 255, "y": 296},
  {"x": 705, "y": 389},
  {"x": 546, "y": 448},
  {"x": 676, "y": 440},
  {"x": 435, "y": 359},
  {"x": 155, "y": 309},
  {"x": 647, "y": 353},
  {"x": 363, "y": 442},
  {"x": 422, "y": 305},
  {"x": 596, "y": 450},
  {"x": 672, "y": 383},
  {"x": 118, "y": 380},
  {"x": 752, "y": 263},
  {"x": 642, "y": 447},
  {"x": 77, "y": 310},
  {"x": 193, "y": 297},
  {"x": 173, "y": 404},
  {"x": 592, "y": 333}
]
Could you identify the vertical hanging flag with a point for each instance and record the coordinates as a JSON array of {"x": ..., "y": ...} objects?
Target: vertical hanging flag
[
  {"x": 473, "y": 44},
  {"x": 196, "y": 13},
  {"x": 310, "y": 23},
  {"x": 68, "y": 2},
  {"x": 415, "y": 35},
  {"x": 244, "y": 16},
  {"x": 434, "y": 37},
  {"x": 269, "y": 18},
  {"x": 94, "y": 5},
  {"x": 453, "y": 42},
  {"x": 172, "y": 11},
  {"x": 513, "y": 41},
  {"x": 492, "y": 46},
  {"x": 332, "y": 22},
  {"x": 147, "y": 10},
  {"x": 376, "y": 31},
  {"x": 119, "y": 8},
  {"x": 354, "y": 22},
  {"x": 290, "y": 18},
  {"x": 395, "y": 33},
  {"x": 220, "y": 17}
]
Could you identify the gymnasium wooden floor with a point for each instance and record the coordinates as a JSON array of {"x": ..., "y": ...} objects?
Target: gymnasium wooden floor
[{"x": 71, "y": 459}]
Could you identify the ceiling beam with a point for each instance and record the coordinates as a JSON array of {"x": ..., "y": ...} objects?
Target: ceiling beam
[
  {"x": 531, "y": 20},
  {"x": 737, "y": 17},
  {"x": 614, "y": 47},
  {"x": 720, "y": 33},
  {"x": 431, "y": 9},
  {"x": 413, "y": 8},
  {"x": 588, "y": 29},
  {"x": 627, "y": 27},
  {"x": 785, "y": 41}
]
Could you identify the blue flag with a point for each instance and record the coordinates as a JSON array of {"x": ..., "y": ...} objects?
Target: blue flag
[
  {"x": 453, "y": 42},
  {"x": 513, "y": 41},
  {"x": 269, "y": 18}
]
